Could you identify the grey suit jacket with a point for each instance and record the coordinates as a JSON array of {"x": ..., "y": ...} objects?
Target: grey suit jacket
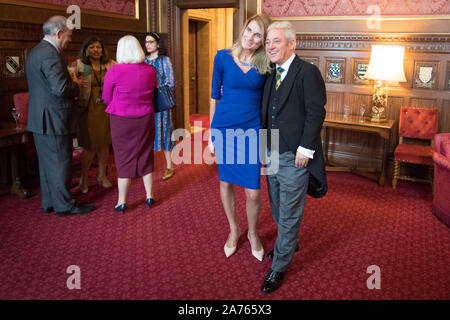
[
  {"x": 51, "y": 108},
  {"x": 300, "y": 116}
]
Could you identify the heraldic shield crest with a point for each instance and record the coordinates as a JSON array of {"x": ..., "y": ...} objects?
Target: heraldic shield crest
[
  {"x": 335, "y": 70},
  {"x": 362, "y": 69},
  {"x": 12, "y": 64},
  {"x": 425, "y": 74}
]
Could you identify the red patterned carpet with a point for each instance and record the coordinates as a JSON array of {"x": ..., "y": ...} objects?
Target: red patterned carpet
[{"x": 175, "y": 250}]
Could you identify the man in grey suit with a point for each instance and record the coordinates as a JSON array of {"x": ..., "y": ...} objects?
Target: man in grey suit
[
  {"x": 293, "y": 102},
  {"x": 52, "y": 117}
]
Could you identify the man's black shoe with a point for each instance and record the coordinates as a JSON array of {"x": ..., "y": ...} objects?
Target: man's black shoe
[
  {"x": 272, "y": 282},
  {"x": 77, "y": 209},
  {"x": 48, "y": 210},
  {"x": 270, "y": 254}
]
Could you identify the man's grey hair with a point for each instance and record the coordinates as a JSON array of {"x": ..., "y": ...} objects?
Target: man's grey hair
[
  {"x": 55, "y": 23},
  {"x": 289, "y": 31}
]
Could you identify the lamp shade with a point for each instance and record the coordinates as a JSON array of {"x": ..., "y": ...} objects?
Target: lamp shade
[{"x": 386, "y": 63}]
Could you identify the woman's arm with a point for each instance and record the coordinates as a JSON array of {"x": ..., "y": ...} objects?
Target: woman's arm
[{"x": 168, "y": 72}]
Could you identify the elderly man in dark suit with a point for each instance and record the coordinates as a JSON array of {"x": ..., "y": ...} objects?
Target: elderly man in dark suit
[
  {"x": 293, "y": 102},
  {"x": 52, "y": 117}
]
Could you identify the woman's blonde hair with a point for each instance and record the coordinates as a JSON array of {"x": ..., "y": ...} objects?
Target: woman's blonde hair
[
  {"x": 259, "y": 58},
  {"x": 129, "y": 50}
]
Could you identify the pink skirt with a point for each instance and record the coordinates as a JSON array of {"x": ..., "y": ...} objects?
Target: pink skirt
[{"x": 132, "y": 141}]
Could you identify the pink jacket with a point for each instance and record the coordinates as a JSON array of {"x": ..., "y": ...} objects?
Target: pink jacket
[{"x": 128, "y": 89}]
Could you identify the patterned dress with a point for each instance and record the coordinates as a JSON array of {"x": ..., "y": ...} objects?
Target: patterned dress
[{"x": 163, "y": 120}]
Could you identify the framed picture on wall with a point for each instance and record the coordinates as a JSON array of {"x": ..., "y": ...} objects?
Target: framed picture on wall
[
  {"x": 425, "y": 74},
  {"x": 12, "y": 64},
  {"x": 335, "y": 70},
  {"x": 359, "y": 69}
]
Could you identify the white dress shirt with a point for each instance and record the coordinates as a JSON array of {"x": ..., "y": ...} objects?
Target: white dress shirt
[
  {"x": 51, "y": 42},
  {"x": 306, "y": 152}
]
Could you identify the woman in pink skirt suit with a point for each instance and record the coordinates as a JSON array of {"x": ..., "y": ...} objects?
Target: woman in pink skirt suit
[{"x": 128, "y": 93}]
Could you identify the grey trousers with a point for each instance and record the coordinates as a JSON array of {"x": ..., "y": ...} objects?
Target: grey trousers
[
  {"x": 55, "y": 163},
  {"x": 287, "y": 195}
]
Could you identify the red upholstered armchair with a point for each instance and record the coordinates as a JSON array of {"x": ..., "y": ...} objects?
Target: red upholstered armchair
[
  {"x": 419, "y": 124},
  {"x": 441, "y": 158},
  {"x": 21, "y": 105}
]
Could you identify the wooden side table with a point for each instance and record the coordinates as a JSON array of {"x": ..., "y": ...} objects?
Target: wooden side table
[
  {"x": 353, "y": 123},
  {"x": 10, "y": 140}
]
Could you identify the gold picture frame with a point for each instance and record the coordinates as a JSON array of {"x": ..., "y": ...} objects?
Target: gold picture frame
[{"x": 86, "y": 11}]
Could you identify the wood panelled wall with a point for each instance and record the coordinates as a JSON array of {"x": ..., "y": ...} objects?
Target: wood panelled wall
[
  {"x": 360, "y": 149},
  {"x": 22, "y": 30},
  {"x": 30, "y": 35}
]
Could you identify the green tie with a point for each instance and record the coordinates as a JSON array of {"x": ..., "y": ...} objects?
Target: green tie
[{"x": 278, "y": 77}]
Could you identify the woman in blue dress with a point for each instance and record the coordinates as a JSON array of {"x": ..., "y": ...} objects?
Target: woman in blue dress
[
  {"x": 238, "y": 79},
  {"x": 163, "y": 119}
]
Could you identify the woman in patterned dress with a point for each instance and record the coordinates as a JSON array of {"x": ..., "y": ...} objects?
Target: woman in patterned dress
[{"x": 163, "y": 120}]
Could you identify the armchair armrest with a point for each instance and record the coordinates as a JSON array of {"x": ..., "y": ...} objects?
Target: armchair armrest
[{"x": 441, "y": 161}]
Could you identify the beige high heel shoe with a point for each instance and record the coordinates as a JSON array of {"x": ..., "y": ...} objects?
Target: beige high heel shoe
[
  {"x": 230, "y": 251},
  {"x": 257, "y": 254}
]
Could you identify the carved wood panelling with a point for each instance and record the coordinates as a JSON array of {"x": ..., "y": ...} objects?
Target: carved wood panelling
[{"x": 361, "y": 42}]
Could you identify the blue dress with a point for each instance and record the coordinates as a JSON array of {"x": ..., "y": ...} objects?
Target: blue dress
[{"x": 236, "y": 122}]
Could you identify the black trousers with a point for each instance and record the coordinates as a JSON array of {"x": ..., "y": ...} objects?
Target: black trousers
[{"x": 55, "y": 163}]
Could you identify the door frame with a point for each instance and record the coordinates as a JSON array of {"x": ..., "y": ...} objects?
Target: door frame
[
  {"x": 186, "y": 79},
  {"x": 177, "y": 48}
]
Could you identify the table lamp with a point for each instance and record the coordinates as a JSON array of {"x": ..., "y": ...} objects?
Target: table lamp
[{"x": 386, "y": 65}]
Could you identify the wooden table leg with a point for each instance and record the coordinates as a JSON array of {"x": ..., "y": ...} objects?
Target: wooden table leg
[
  {"x": 16, "y": 184},
  {"x": 384, "y": 162}
]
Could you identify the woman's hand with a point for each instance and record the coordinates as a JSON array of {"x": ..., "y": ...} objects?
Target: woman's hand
[
  {"x": 210, "y": 145},
  {"x": 81, "y": 81}
]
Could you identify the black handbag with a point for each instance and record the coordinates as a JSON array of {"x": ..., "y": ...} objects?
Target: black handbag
[{"x": 164, "y": 99}]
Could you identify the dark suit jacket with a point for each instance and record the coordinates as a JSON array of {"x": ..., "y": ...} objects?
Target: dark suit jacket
[
  {"x": 300, "y": 116},
  {"x": 51, "y": 108}
]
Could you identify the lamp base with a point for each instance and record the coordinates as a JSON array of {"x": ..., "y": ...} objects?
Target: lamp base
[
  {"x": 378, "y": 118},
  {"x": 379, "y": 102}
]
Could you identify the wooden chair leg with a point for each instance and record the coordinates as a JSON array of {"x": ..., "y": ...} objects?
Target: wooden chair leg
[{"x": 396, "y": 171}]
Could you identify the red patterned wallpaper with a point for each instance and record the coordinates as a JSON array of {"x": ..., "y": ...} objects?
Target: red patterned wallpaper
[
  {"x": 304, "y": 8},
  {"x": 124, "y": 7}
]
